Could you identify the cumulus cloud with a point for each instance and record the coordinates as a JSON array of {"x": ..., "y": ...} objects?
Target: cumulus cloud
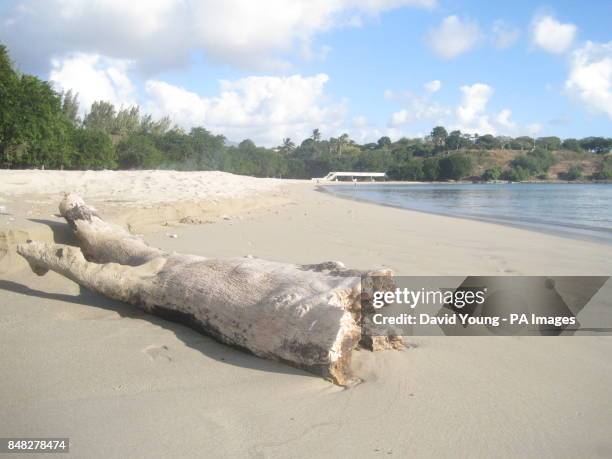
[
  {"x": 590, "y": 78},
  {"x": 433, "y": 86},
  {"x": 262, "y": 108},
  {"x": 471, "y": 112},
  {"x": 454, "y": 36},
  {"x": 161, "y": 33},
  {"x": 470, "y": 115},
  {"x": 504, "y": 34},
  {"x": 551, "y": 35},
  {"x": 94, "y": 77}
]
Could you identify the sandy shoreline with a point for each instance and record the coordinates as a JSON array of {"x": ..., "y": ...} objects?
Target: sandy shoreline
[{"x": 121, "y": 383}]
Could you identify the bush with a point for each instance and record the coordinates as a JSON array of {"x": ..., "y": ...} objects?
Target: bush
[
  {"x": 138, "y": 151},
  {"x": 516, "y": 174},
  {"x": 605, "y": 170},
  {"x": 94, "y": 150},
  {"x": 534, "y": 163},
  {"x": 573, "y": 173},
  {"x": 455, "y": 166},
  {"x": 492, "y": 174}
]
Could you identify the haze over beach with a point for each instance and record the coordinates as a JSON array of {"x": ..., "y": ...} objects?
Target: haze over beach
[{"x": 179, "y": 279}]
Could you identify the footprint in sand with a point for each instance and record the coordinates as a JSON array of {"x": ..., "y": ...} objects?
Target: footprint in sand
[{"x": 156, "y": 353}]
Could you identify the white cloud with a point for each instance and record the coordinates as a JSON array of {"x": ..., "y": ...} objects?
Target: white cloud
[
  {"x": 433, "y": 86},
  {"x": 471, "y": 113},
  {"x": 503, "y": 119},
  {"x": 504, "y": 34},
  {"x": 551, "y": 35},
  {"x": 162, "y": 33},
  {"x": 93, "y": 77},
  {"x": 590, "y": 77},
  {"x": 262, "y": 108},
  {"x": 453, "y": 37}
]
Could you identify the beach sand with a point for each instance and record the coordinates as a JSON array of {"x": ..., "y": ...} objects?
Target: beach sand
[{"x": 121, "y": 383}]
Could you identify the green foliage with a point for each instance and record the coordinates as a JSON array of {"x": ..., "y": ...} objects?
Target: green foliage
[
  {"x": 534, "y": 163},
  {"x": 516, "y": 174},
  {"x": 548, "y": 143},
  {"x": 573, "y": 173},
  {"x": 598, "y": 145},
  {"x": 605, "y": 170},
  {"x": 94, "y": 150},
  {"x": 455, "y": 166},
  {"x": 522, "y": 143},
  {"x": 571, "y": 144},
  {"x": 101, "y": 117},
  {"x": 138, "y": 151},
  {"x": 439, "y": 136},
  {"x": 493, "y": 173},
  {"x": 40, "y": 128},
  {"x": 431, "y": 169},
  {"x": 488, "y": 142}
]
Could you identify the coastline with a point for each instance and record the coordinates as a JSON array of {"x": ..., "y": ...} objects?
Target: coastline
[
  {"x": 520, "y": 395},
  {"x": 577, "y": 232}
]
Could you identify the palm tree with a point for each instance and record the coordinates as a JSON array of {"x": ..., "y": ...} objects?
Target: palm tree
[{"x": 288, "y": 146}]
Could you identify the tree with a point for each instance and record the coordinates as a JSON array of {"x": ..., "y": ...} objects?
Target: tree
[
  {"x": 126, "y": 122},
  {"x": 488, "y": 142},
  {"x": 548, "y": 143},
  {"x": 70, "y": 107},
  {"x": 438, "y": 136},
  {"x": 93, "y": 150},
  {"x": 455, "y": 141},
  {"x": 431, "y": 168},
  {"x": 316, "y": 135},
  {"x": 138, "y": 151},
  {"x": 571, "y": 144},
  {"x": 11, "y": 135},
  {"x": 287, "y": 147},
  {"x": 101, "y": 117},
  {"x": 493, "y": 173},
  {"x": 596, "y": 144},
  {"x": 384, "y": 142},
  {"x": 455, "y": 166},
  {"x": 522, "y": 143}
]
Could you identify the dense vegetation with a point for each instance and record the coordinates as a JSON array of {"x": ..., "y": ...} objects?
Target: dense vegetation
[{"x": 41, "y": 128}]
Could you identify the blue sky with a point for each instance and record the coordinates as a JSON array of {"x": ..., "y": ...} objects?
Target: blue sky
[{"x": 339, "y": 65}]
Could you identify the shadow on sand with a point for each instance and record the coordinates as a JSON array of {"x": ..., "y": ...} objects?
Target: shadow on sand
[{"x": 180, "y": 326}]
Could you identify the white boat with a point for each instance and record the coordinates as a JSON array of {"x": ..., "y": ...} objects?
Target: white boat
[{"x": 353, "y": 176}]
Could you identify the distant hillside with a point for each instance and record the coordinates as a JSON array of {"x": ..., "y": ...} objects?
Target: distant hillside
[{"x": 565, "y": 161}]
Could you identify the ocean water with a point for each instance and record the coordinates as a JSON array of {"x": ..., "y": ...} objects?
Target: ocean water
[{"x": 574, "y": 210}]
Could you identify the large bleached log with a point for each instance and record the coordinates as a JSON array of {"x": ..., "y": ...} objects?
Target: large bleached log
[{"x": 305, "y": 315}]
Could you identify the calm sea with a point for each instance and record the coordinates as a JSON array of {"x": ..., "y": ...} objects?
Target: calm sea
[{"x": 575, "y": 210}]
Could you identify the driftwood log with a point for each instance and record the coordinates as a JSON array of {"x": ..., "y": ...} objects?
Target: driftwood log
[{"x": 307, "y": 316}]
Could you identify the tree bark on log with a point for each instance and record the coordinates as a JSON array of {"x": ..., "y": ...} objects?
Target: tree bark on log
[{"x": 307, "y": 316}]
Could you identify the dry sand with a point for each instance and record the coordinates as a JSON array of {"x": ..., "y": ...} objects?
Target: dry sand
[{"x": 121, "y": 383}]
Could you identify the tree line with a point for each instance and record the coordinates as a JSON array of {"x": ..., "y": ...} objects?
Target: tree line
[{"x": 41, "y": 128}]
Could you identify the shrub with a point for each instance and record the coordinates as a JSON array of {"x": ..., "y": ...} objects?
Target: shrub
[
  {"x": 455, "y": 166},
  {"x": 573, "y": 173},
  {"x": 492, "y": 174},
  {"x": 138, "y": 151}
]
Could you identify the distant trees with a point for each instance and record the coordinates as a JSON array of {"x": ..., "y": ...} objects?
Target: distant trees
[
  {"x": 439, "y": 136},
  {"x": 93, "y": 150},
  {"x": 596, "y": 144},
  {"x": 548, "y": 143},
  {"x": 138, "y": 151},
  {"x": 42, "y": 128},
  {"x": 455, "y": 166}
]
